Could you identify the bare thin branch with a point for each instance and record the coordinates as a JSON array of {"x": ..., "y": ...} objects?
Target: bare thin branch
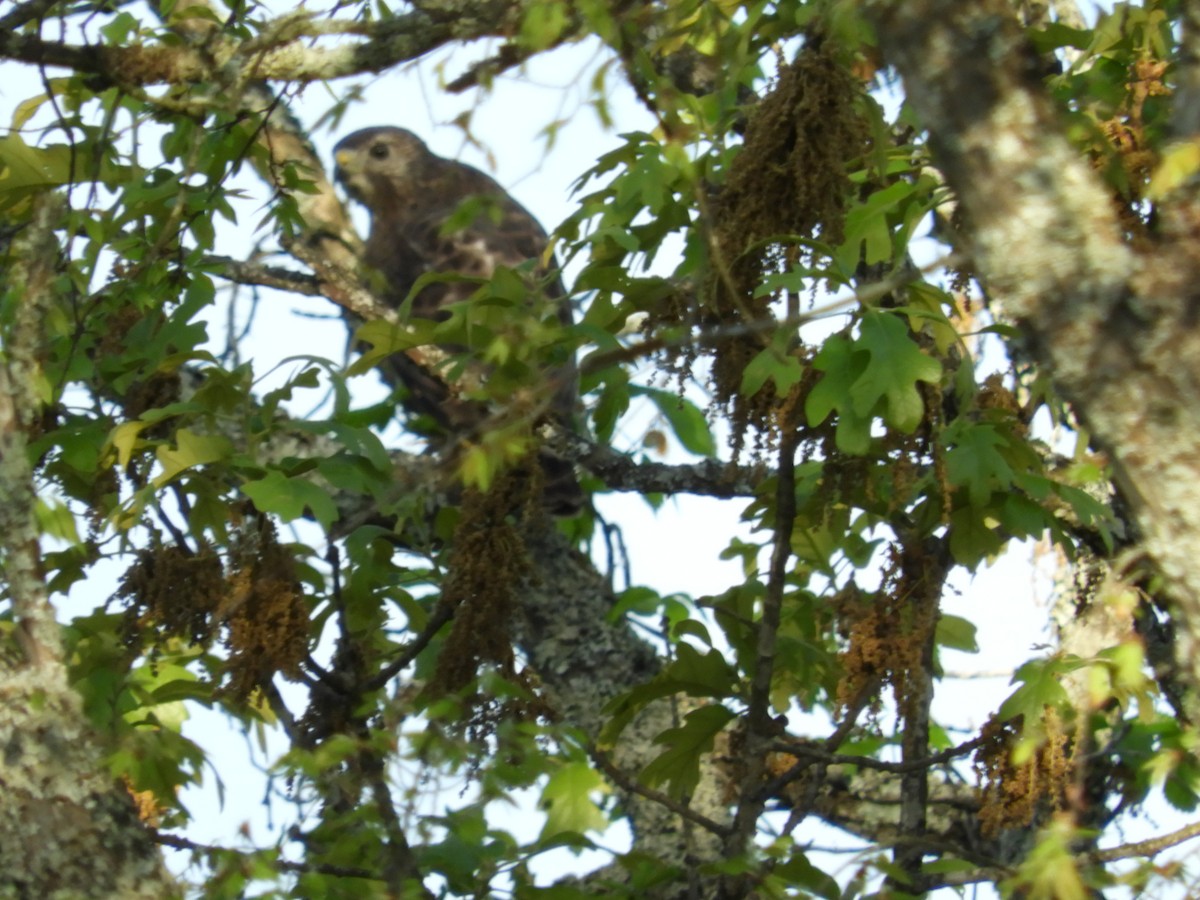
[
  {"x": 249, "y": 273},
  {"x": 1148, "y": 848},
  {"x": 283, "y": 865},
  {"x": 629, "y": 783},
  {"x": 867, "y": 762}
]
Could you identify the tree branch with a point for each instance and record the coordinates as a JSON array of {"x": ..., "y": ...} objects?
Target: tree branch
[
  {"x": 621, "y": 472},
  {"x": 90, "y": 842},
  {"x": 631, "y": 785},
  {"x": 1117, "y": 338},
  {"x": 261, "y": 275},
  {"x": 25, "y": 12},
  {"x": 282, "y": 865},
  {"x": 760, "y": 725},
  {"x": 868, "y": 762},
  {"x": 1149, "y": 848},
  {"x": 34, "y": 258},
  {"x": 280, "y": 52}
]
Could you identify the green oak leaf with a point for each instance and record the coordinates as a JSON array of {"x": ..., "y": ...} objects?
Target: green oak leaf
[
  {"x": 567, "y": 800},
  {"x": 896, "y": 365},
  {"x": 975, "y": 460},
  {"x": 679, "y": 764}
]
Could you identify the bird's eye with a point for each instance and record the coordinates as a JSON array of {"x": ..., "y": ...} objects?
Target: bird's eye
[{"x": 379, "y": 151}]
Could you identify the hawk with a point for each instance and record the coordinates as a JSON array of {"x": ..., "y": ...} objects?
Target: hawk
[{"x": 412, "y": 196}]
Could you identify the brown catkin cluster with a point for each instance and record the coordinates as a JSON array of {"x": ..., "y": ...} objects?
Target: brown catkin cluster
[
  {"x": 993, "y": 395},
  {"x": 887, "y": 634},
  {"x": 172, "y": 592},
  {"x": 789, "y": 181},
  {"x": 487, "y": 564},
  {"x": 265, "y": 612},
  {"x": 1012, "y": 794},
  {"x": 1129, "y": 153},
  {"x": 255, "y": 603}
]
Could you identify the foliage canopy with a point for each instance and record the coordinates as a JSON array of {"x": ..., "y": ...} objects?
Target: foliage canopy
[{"x": 910, "y": 282}]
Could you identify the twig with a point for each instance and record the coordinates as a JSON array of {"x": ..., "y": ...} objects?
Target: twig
[
  {"x": 243, "y": 272},
  {"x": 760, "y": 723},
  {"x": 759, "y": 713},
  {"x": 441, "y": 614},
  {"x": 867, "y": 762},
  {"x": 25, "y": 12},
  {"x": 1148, "y": 848},
  {"x": 281, "y": 711},
  {"x": 400, "y": 869},
  {"x": 630, "y": 784},
  {"x": 863, "y": 296},
  {"x": 710, "y": 478},
  {"x": 283, "y": 865},
  {"x": 1151, "y": 847}
]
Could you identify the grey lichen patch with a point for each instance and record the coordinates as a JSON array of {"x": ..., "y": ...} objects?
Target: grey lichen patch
[
  {"x": 31, "y": 279},
  {"x": 66, "y": 829},
  {"x": 1113, "y": 331},
  {"x": 1046, "y": 234}
]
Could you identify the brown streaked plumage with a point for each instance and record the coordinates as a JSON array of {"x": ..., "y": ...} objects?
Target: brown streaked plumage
[{"x": 411, "y": 193}]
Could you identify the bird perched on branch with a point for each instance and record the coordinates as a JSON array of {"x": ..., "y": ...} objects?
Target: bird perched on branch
[{"x": 437, "y": 217}]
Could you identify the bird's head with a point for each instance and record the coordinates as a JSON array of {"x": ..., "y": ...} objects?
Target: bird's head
[{"x": 375, "y": 165}]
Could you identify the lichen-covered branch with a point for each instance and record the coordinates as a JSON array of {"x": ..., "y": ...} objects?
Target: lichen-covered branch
[
  {"x": 1115, "y": 334},
  {"x": 66, "y": 828},
  {"x": 32, "y": 257},
  {"x": 282, "y": 50},
  {"x": 924, "y": 566},
  {"x": 585, "y": 661}
]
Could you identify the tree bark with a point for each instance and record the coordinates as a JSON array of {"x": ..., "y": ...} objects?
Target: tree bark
[{"x": 1116, "y": 333}]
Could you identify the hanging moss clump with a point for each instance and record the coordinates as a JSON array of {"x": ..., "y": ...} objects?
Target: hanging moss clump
[{"x": 787, "y": 185}]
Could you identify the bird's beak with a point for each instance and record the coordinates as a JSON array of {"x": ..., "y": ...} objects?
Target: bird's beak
[{"x": 343, "y": 160}]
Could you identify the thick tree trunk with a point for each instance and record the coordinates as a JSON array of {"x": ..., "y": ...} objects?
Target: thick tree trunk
[{"x": 1117, "y": 335}]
